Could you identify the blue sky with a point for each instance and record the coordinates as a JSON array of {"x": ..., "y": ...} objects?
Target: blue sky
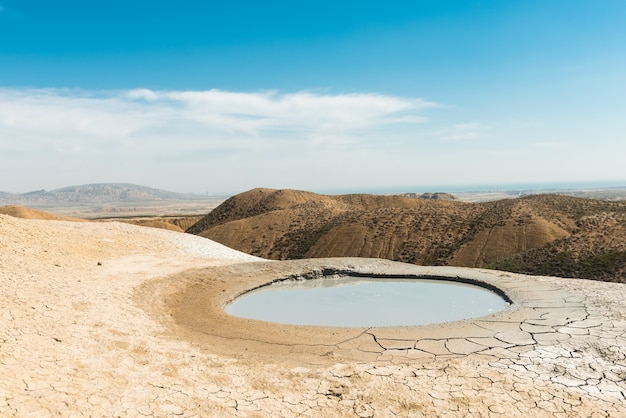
[{"x": 317, "y": 95}]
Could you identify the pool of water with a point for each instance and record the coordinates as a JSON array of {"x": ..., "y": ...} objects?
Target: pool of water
[{"x": 345, "y": 301}]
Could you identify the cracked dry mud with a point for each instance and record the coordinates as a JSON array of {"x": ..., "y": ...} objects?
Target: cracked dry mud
[{"x": 109, "y": 320}]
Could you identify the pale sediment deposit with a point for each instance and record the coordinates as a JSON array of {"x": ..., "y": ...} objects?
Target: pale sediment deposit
[{"x": 109, "y": 319}]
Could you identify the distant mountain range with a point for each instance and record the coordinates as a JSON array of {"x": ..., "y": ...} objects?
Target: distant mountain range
[{"x": 101, "y": 193}]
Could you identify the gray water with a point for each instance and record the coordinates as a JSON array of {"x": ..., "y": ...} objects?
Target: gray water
[{"x": 363, "y": 302}]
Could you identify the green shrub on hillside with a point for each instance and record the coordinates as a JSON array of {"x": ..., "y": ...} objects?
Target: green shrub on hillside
[{"x": 607, "y": 266}]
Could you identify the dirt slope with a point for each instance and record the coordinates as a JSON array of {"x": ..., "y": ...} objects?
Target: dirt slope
[
  {"x": 522, "y": 234},
  {"x": 28, "y": 213}
]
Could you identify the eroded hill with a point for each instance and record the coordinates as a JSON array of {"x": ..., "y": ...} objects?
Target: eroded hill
[{"x": 546, "y": 234}]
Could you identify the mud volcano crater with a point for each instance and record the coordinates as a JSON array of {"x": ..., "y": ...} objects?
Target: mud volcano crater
[
  {"x": 197, "y": 304},
  {"x": 349, "y": 299}
]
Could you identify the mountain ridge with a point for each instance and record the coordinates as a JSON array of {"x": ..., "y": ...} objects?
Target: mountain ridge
[
  {"x": 507, "y": 234},
  {"x": 95, "y": 193}
]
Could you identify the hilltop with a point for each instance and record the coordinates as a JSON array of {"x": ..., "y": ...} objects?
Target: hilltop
[{"x": 539, "y": 234}]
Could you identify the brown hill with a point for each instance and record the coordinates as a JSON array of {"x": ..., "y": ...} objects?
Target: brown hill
[
  {"x": 528, "y": 234},
  {"x": 28, "y": 213}
]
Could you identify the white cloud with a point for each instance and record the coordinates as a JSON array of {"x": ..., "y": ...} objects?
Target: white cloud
[
  {"x": 146, "y": 115},
  {"x": 56, "y": 130},
  {"x": 219, "y": 140},
  {"x": 253, "y": 113}
]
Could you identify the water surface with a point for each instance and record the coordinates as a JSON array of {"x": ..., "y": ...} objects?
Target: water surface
[{"x": 366, "y": 302}]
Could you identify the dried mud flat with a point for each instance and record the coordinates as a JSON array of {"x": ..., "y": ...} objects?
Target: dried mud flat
[{"x": 109, "y": 319}]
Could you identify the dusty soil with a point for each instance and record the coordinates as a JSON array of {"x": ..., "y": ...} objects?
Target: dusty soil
[{"x": 102, "y": 319}]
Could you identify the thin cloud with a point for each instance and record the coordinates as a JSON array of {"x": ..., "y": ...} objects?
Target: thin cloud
[
  {"x": 146, "y": 114},
  {"x": 253, "y": 113},
  {"x": 134, "y": 131},
  {"x": 463, "y": 132}
]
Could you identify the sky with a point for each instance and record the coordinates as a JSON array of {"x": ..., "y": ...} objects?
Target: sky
[{"x": 224, "y": 96}]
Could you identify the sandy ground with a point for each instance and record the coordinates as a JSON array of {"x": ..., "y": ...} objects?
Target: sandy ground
[{"x": 94, "y": 324}]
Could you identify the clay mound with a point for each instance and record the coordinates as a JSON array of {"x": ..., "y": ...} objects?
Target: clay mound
[
  {"x": 288, "y": 224},
  {"x": 273, "y": 234},
  {"x": 255, "y": 202},
  {"x": 28, "y": 213}
]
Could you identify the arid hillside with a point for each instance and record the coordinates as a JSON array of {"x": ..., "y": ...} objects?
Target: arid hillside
[
  {"x": 28, "y": 213},
  {"x": 543, "y": 234}
]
